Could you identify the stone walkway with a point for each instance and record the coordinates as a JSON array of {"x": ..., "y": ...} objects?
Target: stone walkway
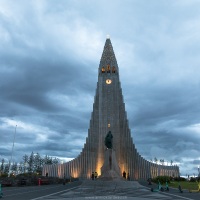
[{"x": 103, "y": 190}]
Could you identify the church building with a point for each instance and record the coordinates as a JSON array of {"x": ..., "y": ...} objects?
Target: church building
[{"x": 109, "y": 114}]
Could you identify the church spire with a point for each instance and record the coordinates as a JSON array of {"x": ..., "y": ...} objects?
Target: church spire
[{"x": 108, "y": 62}]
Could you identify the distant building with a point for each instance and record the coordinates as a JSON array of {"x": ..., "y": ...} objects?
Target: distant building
[{"x": 109, "y": 115}]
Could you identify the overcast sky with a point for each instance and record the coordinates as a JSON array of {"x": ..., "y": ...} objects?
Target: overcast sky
[{"x": 49, "y": 57}]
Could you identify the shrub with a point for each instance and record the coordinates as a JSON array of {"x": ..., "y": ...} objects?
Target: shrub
[
  {"x": 192, "y": 179},
  {"x": 4, "y": 175},
  {"x": 162, "y": 179},
  {"x": 179, "y": 179}
]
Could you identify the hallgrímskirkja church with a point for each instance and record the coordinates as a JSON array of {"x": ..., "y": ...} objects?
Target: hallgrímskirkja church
[{"x": 109, "y": 115}]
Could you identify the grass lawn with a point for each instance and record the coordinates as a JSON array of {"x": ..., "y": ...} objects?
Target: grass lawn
[{"x": 184, "y": 185}]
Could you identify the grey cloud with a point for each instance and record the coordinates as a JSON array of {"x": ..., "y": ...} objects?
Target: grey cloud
[{"x": 49, "y": 56}]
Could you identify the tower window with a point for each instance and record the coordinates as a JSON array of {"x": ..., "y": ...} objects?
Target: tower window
[
  {"x": 103, "y": 70},
  {"x": 108, "y": 68},
  {"x": 113, "y": 69}
]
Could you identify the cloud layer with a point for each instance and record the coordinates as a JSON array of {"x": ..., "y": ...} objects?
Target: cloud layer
[{"x": 49, "y": 57}]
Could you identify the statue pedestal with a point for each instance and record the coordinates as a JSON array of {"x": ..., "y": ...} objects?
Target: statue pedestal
[{"x": 110, "y": 168}]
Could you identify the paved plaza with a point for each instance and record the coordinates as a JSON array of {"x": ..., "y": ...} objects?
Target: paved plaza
[{"x": 103, "y": 190}]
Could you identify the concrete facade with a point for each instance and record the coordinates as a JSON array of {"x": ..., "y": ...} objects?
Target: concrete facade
[{"x": 109, "y": 115}]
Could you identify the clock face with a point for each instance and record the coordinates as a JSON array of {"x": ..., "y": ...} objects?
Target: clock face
[{"x": 108, "y": 81}]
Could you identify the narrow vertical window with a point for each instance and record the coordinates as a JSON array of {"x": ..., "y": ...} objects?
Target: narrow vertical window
[
  {"x": 103, "y": 70},
  {"x": 113, "y": 69},
  {"x": 108, "y": 68}
]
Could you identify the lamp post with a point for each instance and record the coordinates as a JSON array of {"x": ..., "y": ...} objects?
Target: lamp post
[
  {"x": 12, "y": 151},
  {"x": 198, "y": 171}
]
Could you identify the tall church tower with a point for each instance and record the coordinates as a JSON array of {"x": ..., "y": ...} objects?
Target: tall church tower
[
  {"x": 109, "y": 115},
  {"x": 109, "y": 110}
]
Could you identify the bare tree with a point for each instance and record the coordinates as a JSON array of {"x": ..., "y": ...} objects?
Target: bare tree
[
  {"x": 38, "y": 163},
  {"x": 48, "y": 160},
  {"x": 162, "y": 161},
  {"x": 31, "y": 163},
  {"x": 171, "y": 162},
  {"x": 25, "y": 162},
  {"x": 20, "y": 168},
  {"x": 55, "y": 161},
  {"x": 6, "y": 168},
  {"x": 2, "y": 165},
  {"x": 14, "y": 167}
]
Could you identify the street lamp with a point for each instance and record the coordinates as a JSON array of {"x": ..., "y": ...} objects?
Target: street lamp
[
  {"x": 198, "y": 171},
  {"x": 12, "y": 151}
]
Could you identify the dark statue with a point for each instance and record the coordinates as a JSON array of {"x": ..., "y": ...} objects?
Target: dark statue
[{"x": 108, "y": 140}]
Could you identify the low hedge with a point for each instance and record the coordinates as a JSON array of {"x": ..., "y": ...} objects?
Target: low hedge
[{"x": 161, "y": 179}]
